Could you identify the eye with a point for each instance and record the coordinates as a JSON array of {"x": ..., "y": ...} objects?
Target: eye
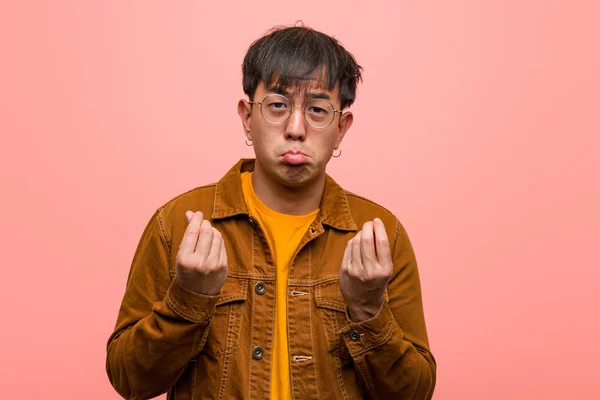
[
  {"x": 317, "y": 110},
  {"x": 278, "y": 106}
]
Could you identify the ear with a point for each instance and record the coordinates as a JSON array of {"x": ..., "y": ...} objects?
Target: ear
[
  {"x": 245, "y": 112},
  {"x": 345, "y": 123}
]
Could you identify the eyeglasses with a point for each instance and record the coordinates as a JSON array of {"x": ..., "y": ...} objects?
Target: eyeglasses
[{"x": 276, "y": 109}]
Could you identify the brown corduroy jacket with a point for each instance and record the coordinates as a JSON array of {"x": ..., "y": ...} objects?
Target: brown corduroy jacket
[{"x": 170, "y": 339}]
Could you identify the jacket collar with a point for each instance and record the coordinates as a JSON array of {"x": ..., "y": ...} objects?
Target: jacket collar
[{"x": 229, "y": 199}]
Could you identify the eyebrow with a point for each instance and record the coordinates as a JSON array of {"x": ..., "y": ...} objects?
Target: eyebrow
[
  {"x": 319, "y": 95},
  {"x": 311, "y": 95}
]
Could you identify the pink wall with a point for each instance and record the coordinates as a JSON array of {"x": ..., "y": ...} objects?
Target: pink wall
[{"x": 478, "y": 125}]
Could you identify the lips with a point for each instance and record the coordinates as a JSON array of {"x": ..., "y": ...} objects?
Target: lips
[{"x": 294, "y": 157}]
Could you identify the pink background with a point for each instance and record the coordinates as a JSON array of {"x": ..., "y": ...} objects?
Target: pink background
[{"x": 477, "y": 124}]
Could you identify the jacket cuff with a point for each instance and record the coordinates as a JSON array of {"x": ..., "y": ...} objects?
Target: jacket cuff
[
  {"x": 190, "y": 305},
  {"x": 365, "y": 335}
]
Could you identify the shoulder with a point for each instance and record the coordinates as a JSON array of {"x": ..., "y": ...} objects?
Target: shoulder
[
  {"x": 364, "y": 210},
  {"x": 198, "y": 199},
  {"x": 362, "y": 202}
]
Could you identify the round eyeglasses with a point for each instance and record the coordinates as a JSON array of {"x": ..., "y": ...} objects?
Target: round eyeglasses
[{"x": 276, "y": 109}]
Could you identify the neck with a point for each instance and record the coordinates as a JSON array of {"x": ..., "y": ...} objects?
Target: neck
[{"x": 293, "y": 200}]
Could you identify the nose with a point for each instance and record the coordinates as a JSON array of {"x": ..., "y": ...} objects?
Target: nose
[{"x": 295, "y": 128}]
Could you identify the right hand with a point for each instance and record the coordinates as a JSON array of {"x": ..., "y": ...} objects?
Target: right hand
[{"x": 202, "y": 258}]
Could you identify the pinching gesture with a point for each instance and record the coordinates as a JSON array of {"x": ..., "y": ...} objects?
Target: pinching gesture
[
  {"x": 202, "y": 258},
  {"x": 366, "y": 270}
]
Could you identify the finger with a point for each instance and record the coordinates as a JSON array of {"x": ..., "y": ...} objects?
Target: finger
[
  {"x": 223, "y": 253},
  {"x": 347, "y": 254},
  {"x": 189, "y": 215},
  {"x": 367, "y": 245},
  {"x": 205, "y": 239},
  {"x": 215, "y": 248},
  {"x": 382, "y": 243},
  {"x": 347, "y": 259},
  {"x": 190, "y": 237},
  {"x": 356, "y": 256}
]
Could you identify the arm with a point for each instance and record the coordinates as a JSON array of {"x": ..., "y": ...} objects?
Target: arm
[
  {"x": 161, "y": 323},
  {"x": 391, "y": 351}
]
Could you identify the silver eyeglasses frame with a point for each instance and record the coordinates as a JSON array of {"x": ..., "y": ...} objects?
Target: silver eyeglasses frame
[{"x": 292, "y": 110}]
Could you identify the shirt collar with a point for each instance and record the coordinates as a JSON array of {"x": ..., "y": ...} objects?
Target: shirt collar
[{"x": 229, "y": 199}]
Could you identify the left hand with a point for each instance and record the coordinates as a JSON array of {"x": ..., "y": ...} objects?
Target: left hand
[{"x": 366, "y": 270}]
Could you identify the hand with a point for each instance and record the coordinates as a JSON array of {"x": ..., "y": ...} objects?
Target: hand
[
  {"x": 366, "y": 270},
  {"x": 202, "y": 258}
]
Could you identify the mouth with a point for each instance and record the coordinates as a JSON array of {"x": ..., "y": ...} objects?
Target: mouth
[{"x": 294, "y": 157}]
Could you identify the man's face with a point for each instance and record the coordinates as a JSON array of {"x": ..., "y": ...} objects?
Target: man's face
[{"x": 293, "y": 153}]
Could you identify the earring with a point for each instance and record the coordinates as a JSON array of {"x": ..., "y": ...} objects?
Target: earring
[
  {"x": 248, "y": 144},
  {"x": 339, "y": 154}
]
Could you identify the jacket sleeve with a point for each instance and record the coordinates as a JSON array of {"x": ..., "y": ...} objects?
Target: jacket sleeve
[
  {"x": 161, "y": 325},
  {"x": 391, "y": 350}
]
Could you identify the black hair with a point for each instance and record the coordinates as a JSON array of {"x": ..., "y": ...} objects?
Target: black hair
[{"x": 292, "y": 56}]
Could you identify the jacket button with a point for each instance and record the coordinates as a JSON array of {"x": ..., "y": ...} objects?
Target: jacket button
[
  {"x": 258, "y": 353},
  {"x": 260, "y": 288},
  {"x": 354, "y": 336}
]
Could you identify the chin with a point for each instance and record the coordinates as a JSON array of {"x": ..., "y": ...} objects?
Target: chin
[{"x": 295, "y": 175}]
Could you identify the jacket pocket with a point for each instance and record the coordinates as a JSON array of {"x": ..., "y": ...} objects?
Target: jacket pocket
[
  {"x": 332, "y": 306},
  {"x": 225, "y": 322}
]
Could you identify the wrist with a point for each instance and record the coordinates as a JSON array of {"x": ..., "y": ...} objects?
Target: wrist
[
  {"x": 362, "y": 313},
  {"x": 195, "y": 286}
]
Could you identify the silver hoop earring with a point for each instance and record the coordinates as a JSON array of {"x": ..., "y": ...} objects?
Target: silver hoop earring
[
  {"x": 339, "y": 154},
  {"x": 248, "y": 144}
]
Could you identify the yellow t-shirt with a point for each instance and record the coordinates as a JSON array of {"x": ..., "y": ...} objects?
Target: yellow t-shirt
[{"x": 284, "y": 233}]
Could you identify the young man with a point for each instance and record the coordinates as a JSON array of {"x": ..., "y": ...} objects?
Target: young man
[{"x": 275, "y": 282}]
